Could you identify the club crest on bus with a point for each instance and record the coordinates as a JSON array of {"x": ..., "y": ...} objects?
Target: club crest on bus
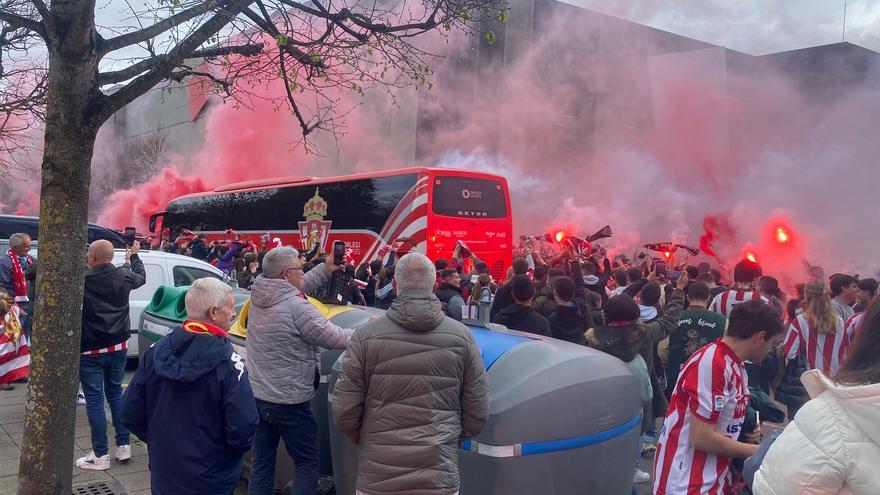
[{"x": 314, "y": 230}]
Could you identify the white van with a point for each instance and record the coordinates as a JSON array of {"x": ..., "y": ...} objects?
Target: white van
[{"x": 162, "y": 269}]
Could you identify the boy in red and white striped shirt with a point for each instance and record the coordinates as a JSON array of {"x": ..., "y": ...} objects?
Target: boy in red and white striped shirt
[
  {"x": 708, "y": 407},
  {"x": 744, "y": 275}
]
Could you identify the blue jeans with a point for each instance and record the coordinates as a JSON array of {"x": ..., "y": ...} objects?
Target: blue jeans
[
  {"x": 295, "y": 424},
  {"x": 102, "y": 374}
]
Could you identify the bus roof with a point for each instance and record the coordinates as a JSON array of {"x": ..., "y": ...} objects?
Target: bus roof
[{"x": 287, "y": 181}]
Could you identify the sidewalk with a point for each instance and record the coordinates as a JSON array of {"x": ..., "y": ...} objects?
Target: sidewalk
[{"x": 133, "y": 474}]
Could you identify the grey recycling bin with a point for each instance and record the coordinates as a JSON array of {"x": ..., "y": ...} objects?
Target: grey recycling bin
[{"x": 564, "y": 419}]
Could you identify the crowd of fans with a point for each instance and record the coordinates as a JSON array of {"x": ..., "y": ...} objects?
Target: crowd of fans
[{"x": 714, "y": 359}]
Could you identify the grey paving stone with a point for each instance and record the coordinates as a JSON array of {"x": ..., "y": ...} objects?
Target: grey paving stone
[
  {"x": 13, "y": 427},
  {"x": 137, "y": 464},
  {"x": 8, "y": 467},
  {"x": 135, "y": 481},
  {"x": 8, "y": 485},
  {"x": 84, "y": 476}
]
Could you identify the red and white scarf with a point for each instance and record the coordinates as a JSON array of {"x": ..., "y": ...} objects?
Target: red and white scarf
[
  {"x": 18, "y": 279},
  {"x": 193, "y": 326}
]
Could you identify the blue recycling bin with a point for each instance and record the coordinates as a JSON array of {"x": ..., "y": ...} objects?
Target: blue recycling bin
[{"x": 563, "y": 419}]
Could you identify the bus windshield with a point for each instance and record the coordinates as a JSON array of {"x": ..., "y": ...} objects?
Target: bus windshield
[{"x": 469, "y": 197}]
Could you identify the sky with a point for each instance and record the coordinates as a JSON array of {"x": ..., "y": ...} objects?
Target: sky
[{"x": 756, "y": 27}]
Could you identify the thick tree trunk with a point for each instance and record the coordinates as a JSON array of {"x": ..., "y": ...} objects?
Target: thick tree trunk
[{"x": 46, "y": 466}]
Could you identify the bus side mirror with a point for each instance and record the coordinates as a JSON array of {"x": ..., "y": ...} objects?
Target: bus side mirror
[{"x": 153, "y": 219}]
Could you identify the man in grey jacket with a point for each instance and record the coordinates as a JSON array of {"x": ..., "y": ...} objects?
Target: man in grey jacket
[
  {"x": 285, "y": 335},
  {"x": 412, "y": 386}
]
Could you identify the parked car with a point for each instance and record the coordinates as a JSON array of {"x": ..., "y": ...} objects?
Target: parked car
[
  {"x": 162, "y": 268},
  {"x": 13, "y": 224}
]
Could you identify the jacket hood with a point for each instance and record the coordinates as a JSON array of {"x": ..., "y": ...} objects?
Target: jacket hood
[
  {"x": 384, "y": 291},
  {"x": 648, "y": 313},
  {"x": 515, "y": 313},
  {"x": 569, "y": 321},
  {"x": 591, "y": 280},
  {"x": 417, "y": 311},
  {"x": 267, "y": 292},
  {"x": 621, "y": 342},
  {"x": 569, "y": 313},
  {"x": 861, "y": 402},
  {"x": 185, "y": 357}
]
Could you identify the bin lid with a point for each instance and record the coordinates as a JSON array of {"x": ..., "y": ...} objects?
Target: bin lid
[
  {"x": 239, "y": 327},
  {"x": 168, "y": 303},
  {"x": 493, "y": 344}
]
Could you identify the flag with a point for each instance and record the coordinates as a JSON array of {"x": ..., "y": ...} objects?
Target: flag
[
  {"x": 693, "y": 251},
  {"x": 603, "y": 233},
  {"x": 579, "y": 246},
  {"x": 461, "y": 250},
  {"x": 15, "y": 356},
  {"x": 661, "y": 247}
]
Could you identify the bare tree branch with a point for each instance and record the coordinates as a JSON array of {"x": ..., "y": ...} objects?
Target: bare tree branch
[
  {"x": 183, "y": 50},
  {"x": 286, "y": 45},
  {"x": 20, "y": 22},
  {"x": 156, "y": 61},
  {"x": 150, "y": 32},
  {"x": 41, "y": 8},
  {"x": 306, "y": 127}
]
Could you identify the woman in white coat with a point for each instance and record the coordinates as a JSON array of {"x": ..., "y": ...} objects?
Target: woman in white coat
[{"x": 833, "y": 444}]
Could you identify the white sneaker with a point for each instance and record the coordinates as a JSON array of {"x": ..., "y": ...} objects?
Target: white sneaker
[
  {"x": 123, "y": 452},
  {"x": 80, "y": 399},
  {"x": 641, "y": 477},
  {"x": 94, "y": 462}
]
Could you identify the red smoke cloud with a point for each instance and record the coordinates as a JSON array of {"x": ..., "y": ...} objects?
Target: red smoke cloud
[
  {"x": 241, "y": 144},
  {"x": 613, "y": 128},
  {"x": 29, "y": 205},
  {"x": 133, "y": 207}
]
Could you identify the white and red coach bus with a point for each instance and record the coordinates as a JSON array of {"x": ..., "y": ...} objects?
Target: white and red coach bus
[{"x": 432, "y": 207}]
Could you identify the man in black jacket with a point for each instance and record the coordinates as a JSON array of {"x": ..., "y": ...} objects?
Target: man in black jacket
[
  {"x": 520, "y": 315},
  {"x": 504, "y": 297},
  {"x": 570, "y": 319},
  {"x": 198, "y": 247},
  {"x": 105, "y": 331}
]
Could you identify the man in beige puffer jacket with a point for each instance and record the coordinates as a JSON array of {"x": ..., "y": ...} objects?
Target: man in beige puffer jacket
[{"x": 412, "y": 387}]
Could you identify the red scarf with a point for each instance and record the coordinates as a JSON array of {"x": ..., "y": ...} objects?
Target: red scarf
[
  {"x": 193, "y": 326},
  {"x": 18, "y": 278}
]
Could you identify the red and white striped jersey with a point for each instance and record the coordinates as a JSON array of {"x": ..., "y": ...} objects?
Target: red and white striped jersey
[
  {"x": 824, "y": 351},
  {"x": 712, "y": 387},
  {"x": 724, "y": 302},
  {"x": 854, "y": 324}
]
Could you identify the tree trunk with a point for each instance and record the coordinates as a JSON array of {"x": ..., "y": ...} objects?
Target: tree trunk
[{"x": 46, "y": 466}]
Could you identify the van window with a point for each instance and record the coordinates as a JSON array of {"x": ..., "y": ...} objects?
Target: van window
[
  {"x": 155, "y": 278},
  {"x": 186, "y": 275}
]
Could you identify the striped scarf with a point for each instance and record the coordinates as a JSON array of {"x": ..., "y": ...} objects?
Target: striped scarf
[
  {"x": 200, "y": 327},
  {"x": 18, "y": 280}
]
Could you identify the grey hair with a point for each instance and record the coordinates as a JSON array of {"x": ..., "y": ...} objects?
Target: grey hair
[
  {"x": 277, "y": 260},
  {"x": 415, "y": 271},
  {"x": 206, "y": 293},
  {"x": 18, "y": 239}
]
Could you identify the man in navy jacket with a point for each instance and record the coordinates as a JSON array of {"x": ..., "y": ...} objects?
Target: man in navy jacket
[{"x": 191, "y": 400}]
